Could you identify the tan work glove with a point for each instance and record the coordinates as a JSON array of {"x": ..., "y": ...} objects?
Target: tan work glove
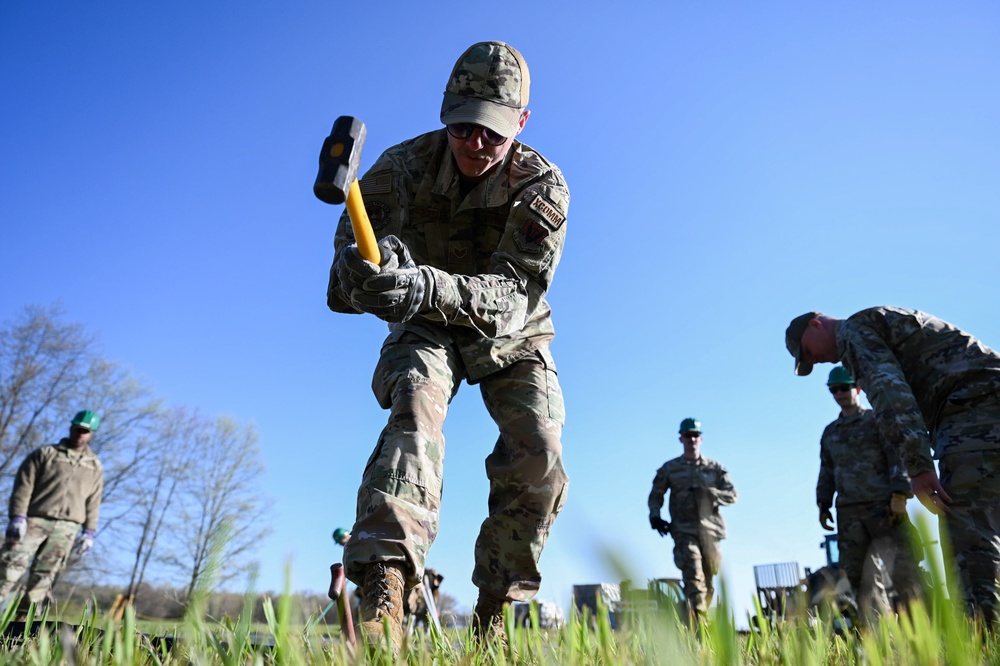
[
  {"x": 826, "y": 518},
  {"x": 897, "y": 508}
]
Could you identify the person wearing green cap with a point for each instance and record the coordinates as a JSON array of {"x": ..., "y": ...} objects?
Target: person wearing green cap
[
  {"x": 933, "y": 387},
  {"x": 698, "y": 487},
  {"x": 866, "y": 474},
  {"x": 57, "y": 491},
  {"x": 471, "y": 225}
]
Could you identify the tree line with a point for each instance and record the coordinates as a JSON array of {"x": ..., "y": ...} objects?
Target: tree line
[
  {"x": 182, "y": 507},
  {"x": 162, "y": 603}
]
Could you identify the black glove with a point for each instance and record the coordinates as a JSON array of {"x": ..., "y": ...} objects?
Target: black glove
[
  {"x": 660, "y": 525},
  {"x": 16, "y": 528},
  {"x": 826, "y": 518}
]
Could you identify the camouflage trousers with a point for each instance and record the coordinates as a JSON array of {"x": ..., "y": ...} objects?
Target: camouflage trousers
[
  {"x": 699, "y": 558},
  {"x": 400, "y": 495},
  {"x": 972, "y": 479},
  {"x": 864, "y": 533},
  {"x": 44, "y": 548}
]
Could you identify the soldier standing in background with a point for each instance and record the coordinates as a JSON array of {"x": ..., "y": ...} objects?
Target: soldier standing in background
[
  {"x": 471, "y": 225},
  {"x": 867, "y": 476},
  {"x": 56, "y": 491},
  {"x": 698, "y": 487},
  {"x": 931, "y": 385}
]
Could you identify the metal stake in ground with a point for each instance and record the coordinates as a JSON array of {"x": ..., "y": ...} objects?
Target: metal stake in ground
[
  {"x": 338, "y": 593},
  {"x": 429, "y": 600}
]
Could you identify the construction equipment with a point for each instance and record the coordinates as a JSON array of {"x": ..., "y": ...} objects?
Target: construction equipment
[
  {"x": 784, "y": 594},
  {"x": 780, "y": 589},
  {"x": 623, "y": 601},
  {"x": 549, "y": 614},
  {"x": 337, "y": 180}
]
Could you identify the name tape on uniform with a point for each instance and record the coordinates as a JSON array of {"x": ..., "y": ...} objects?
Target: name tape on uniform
[{"x": 549, "y": 213}]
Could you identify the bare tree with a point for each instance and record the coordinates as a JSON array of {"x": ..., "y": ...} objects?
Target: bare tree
[
  {"x": 179, "y": 489},
  {"x": 221, "y": 514},
  {"x": 49, "y": 370},
  {"x": 43, "y": 366},
  {"x": 154, "y": 490}
]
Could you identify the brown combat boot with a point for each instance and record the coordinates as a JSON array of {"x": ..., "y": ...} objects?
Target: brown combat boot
[
  {"x": 382, "y": 597},
  {"x": 487, "y": 621}
]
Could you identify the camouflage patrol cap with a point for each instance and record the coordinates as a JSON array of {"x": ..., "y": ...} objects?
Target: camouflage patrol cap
[
  {"x": 488, "y": 86},
  {"x": 793, "y": 341}
]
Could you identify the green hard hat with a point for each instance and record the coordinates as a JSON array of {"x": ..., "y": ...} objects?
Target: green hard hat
[
  {"x": 690, "y": 425},
  {"x": 87, "y": 419},
  {"x": 339, "y": 534},
  {"x": 839, "y": 375}
]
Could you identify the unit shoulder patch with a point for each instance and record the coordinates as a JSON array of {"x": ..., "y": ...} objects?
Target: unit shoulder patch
[
  {"x": 530, "y": 236},
  {"x": 378, "y": 214},
  {"x": 548, "y": 211}
]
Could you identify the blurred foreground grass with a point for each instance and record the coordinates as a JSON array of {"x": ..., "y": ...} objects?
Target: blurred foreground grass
[
  {"x": 939, "y": 636},
  {"x": 935, "y": 633}
]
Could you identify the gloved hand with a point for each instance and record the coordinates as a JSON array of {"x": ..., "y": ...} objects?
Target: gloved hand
[
  {"x": 399, "y": 290},
  {"x": 16, "y": 528},
  {"x": 897, "y": 508},
  {"x": 352, "y": 269},
  {"x": 826, "y": 518},
  {"x": 84, "y": 543},
  {"x": 660, "y": 525}
]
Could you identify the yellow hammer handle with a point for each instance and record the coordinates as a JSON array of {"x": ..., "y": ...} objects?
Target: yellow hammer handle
[{"x": 367, "y": 245}]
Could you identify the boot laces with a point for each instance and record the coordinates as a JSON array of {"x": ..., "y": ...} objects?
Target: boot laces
[{"x": 377, "y": 594}]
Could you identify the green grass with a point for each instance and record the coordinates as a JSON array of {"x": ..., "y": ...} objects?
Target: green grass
[
  {"x": 940, "y": 636},
  {"x": 937, "y": 633}
]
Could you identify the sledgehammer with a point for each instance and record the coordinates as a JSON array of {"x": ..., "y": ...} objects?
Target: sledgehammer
[{"x": 337, "y": 180}]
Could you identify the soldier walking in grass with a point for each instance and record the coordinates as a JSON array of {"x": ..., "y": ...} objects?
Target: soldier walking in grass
[
  {"x": 871, "y": 485},
  {"x": 698, "y": 487},
  {"x": 57, "y": 491},
  {"x": 933, "y": 387}
]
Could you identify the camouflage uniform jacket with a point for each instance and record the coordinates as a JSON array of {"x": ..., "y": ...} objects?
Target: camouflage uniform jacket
[
  {"x": 697, "y": 489},
  {"x": 927, "y": 381},
  {"x": 61, "y": 483},
  {"x": 857, "y": 464},
  {"x": 501, "y": 241}
]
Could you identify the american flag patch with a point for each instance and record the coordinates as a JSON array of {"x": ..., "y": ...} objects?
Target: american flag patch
[
  {"x": 379, "y": 184},
  {"x": 549, "y": 213}
]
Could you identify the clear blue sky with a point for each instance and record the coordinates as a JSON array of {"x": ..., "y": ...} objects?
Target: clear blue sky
[{"x": 731, "y": 165}]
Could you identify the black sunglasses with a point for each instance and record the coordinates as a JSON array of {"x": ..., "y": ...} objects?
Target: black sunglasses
[
  {"x": 840, "y": 388},
  {"x": 463, "y": 131},
  {"x": 691, "y": 435}
]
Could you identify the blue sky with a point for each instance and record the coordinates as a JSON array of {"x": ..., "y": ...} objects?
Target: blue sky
[{"x": 731, "y": 165}]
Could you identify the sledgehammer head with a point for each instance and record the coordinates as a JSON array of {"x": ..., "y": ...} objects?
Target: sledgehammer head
[{"x": 339, "y": 160}]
